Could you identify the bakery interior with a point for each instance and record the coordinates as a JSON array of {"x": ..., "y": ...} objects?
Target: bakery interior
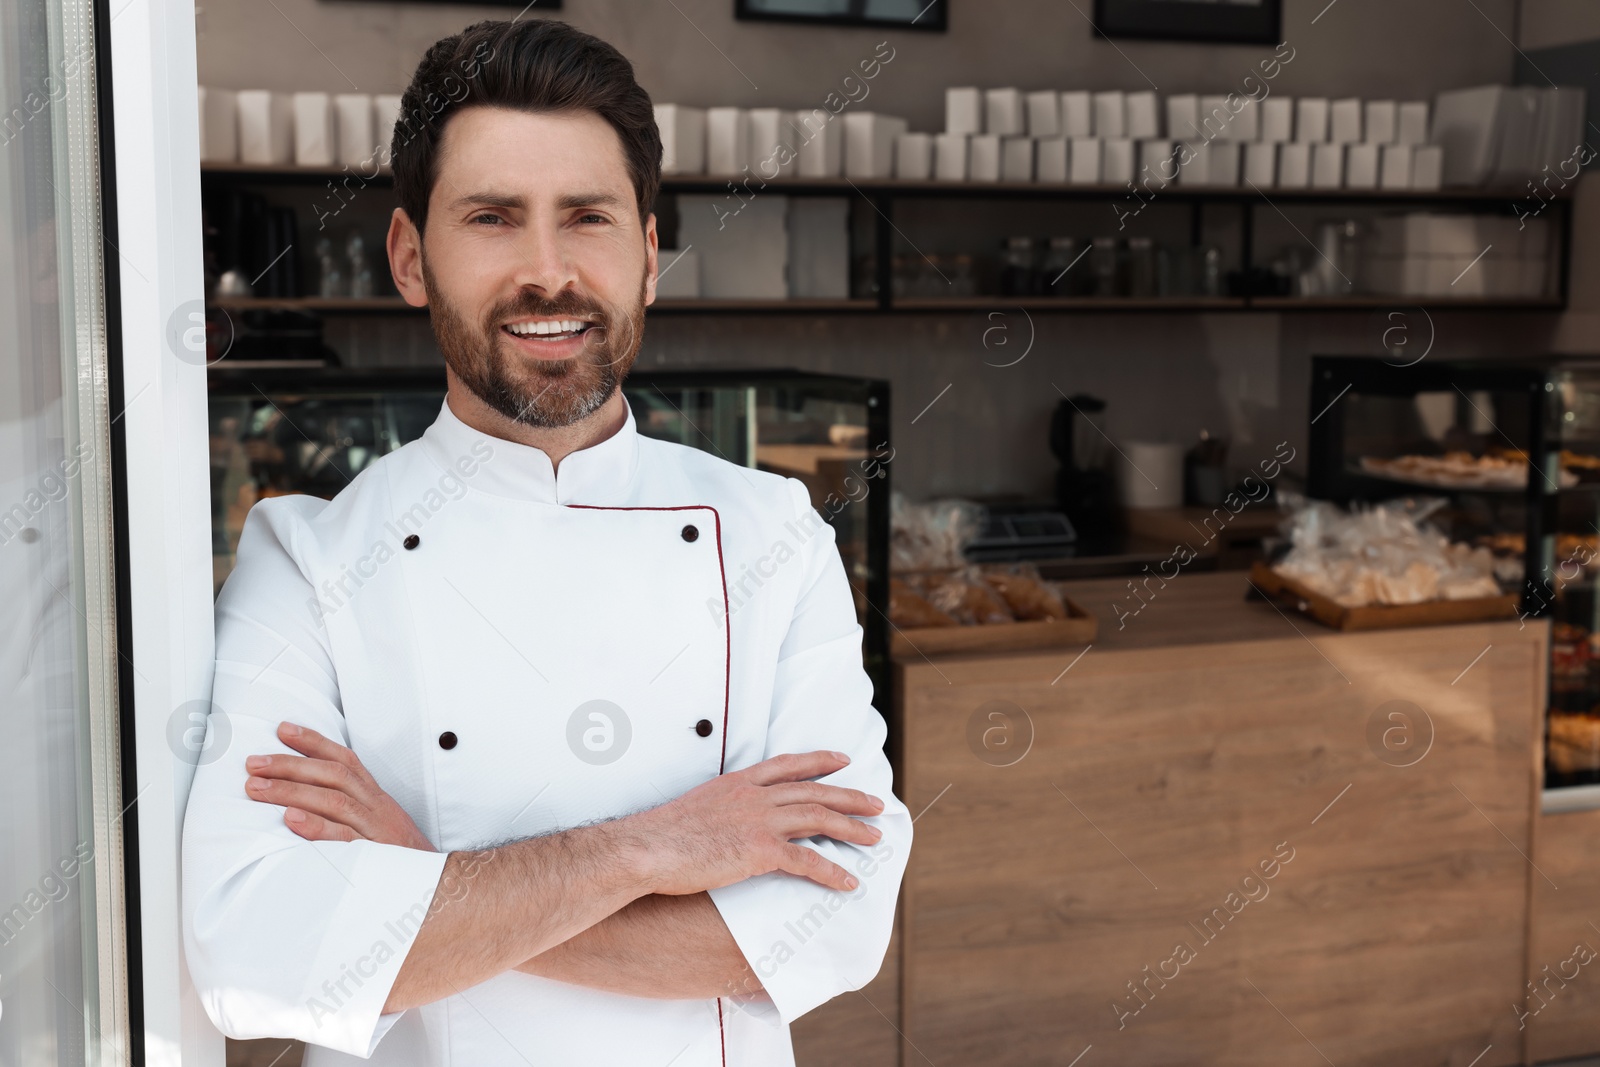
[{"x": 1206, "y": 401}]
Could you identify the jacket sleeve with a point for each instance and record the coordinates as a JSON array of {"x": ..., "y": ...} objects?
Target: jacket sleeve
[
  {"x": 808, "y": 943},
  {"x": 286, "y": 938}
]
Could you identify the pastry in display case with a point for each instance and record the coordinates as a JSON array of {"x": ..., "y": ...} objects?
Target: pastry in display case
[
  {"x": 278, "y": 430},
  {"x": 1510, "y": 449}
]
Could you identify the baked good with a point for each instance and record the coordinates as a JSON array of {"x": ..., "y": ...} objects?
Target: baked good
[
  {"x": 1026, "y": 593},
  {"x": 964, "y": 595},
  {"x": 910, "y": 610},
  {"x": 1574, "y": 742}
]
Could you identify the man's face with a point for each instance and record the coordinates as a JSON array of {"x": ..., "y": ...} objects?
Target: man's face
[{"x": 536, "y": 268}]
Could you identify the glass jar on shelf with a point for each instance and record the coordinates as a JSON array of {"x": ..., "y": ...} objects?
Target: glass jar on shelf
[
  {"x": 1141, "y": 268},
  {"x": 963, "y": 276},
  {"x": 1019, "y": 271},
  {"x": 1062, "y": 275},
  {"x": 1105, "y": 262}
]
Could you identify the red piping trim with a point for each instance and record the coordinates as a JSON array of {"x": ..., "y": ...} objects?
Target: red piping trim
[{"x": 727, "y": 670}]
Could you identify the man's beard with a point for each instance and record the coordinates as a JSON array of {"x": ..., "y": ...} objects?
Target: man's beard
[{"x": 536, "y": 392}]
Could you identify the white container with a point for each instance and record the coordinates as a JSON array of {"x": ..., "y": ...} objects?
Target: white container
[
  {"x": 266, "y": 127},
  {"x": 913, "y": 156},
  {"x": 385, "y": 117},
  {"x": 1150, "y": 475},
  {"x": 727, "y": 140},
  {"x": 677, "y": 274},
  {"x": 1361, "y": 166},
  {"x": 1050, "y": 159},
  {"x": 771, "y": 154},
  {"x": 352, "y": 113},
  {"x": 1277, "y": 120},
  {"x": 1311, "y": 120},
  {"x": 1156, "y": 163},
  {"x": 1084, "y": 161},
  {"x": 743, "y": 256},
  {"x": 1044, "y": 114},
  {"x": 1382, "y": 122},
  {"x": 683, "y": 138},
  {"x": 1194, "y": 162},
  {"x": 1344, "y": 118},
  {"x": 983, "y": 160},
  {"x": 1261, "y": 165},
  {"x": 869, "y": 143},
  {"x": 1247, "y": 121},
  {"x": 219, "y": 125},
  {"x": 950, "y": 157},
  {"x": 1183, "y": 118},
  {"x": 315, "y": 137},
  {"x": 1110, "y": 115},
  {"x": 1327, "y": 166},
  {"x": 1427, "y": 167},
  {"x": 1294, "y": 165},
  {"x": 819, "y": 247},
  {"x": 1003, "y": 112},
  {"x": 1143, "y": 116},
  {"x": 1413, "y": 123},
  {"x": 1224, "y": 164},
  {"x": 822, "y": 143},
  {"x": 1016, "y": 159},
  {"x": 963, "y": 111},
  {"x": 1394, "y": 169},
  {"x": 1216, "y": 121},
  {"x": 1077, "y": 114},
  {"x": 1116, "y": 161}
]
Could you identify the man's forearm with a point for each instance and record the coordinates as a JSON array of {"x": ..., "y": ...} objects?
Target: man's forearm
[{"x": 667, "y": 947}]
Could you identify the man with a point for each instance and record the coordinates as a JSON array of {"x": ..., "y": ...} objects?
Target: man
[{"x": 506, "y": 776}]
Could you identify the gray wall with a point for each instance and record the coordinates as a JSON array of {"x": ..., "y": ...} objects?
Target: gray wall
[{"x": 1165, "y": 376}]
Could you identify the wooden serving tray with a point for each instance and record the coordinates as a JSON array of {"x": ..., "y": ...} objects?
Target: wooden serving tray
[
  {"x": 1078, "y": 628},
  {"x": 1291, "y": 594}
]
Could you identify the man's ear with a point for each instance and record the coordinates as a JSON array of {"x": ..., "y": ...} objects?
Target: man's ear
[
  {"x": 651, "y": 265},
  {"x": 405, "y": 259}
]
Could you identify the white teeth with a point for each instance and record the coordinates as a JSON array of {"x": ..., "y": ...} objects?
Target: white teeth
[{"x": 547, "y": 327}]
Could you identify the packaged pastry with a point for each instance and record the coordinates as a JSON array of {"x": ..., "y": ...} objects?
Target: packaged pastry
[
  {"x": 1025, "y": 592},
  {"x": 1574, "y": 743},
  {"x": 910, "y": 610},
  {"x": 964, "y": 595}
]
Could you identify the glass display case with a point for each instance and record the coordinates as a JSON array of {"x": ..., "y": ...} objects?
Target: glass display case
[
  {"x": 1513, "y": 447},
  {"x": 297, "y": 430}
]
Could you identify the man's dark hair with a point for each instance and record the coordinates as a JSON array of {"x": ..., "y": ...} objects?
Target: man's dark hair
[{"x": 533, "y": 65}]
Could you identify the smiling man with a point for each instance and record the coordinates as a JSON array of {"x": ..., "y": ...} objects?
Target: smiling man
[{"x": 515, "y": 796}]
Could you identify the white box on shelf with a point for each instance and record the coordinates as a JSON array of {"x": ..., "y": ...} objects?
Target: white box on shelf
[
  {"x": 315, "y": 138},
  {"x": 771, "y": 153},
  {"x": 744, "y": 255},
  {"x": 1223, "y": 168},
  {"x": 1277, "y": 119},
  {"x": 963, "y": 110},
  {"x": 1044, "y": 114},
  {"x": 219, "y": 125},
  {"x": 1361, "y": 166},
  {"x": 353, "y": 121},
  {"x": 1084, "y": 161},
  {"x": 1327, "y": 166},
  {"x": 1003, "y": 112},
  {"x": 1116, "y": 161},
  {"x": 1157, "y": 164},
  {"x": 1427, "y": 167},
  {"x": 1247, "y": 122},
  {"x": 1394, "y": 170},
  {"x": 1142, "y": 115},
  {"x": 727, "y": 140},
  {"x": 1344, "y": 120},
  {"x": 869, "y": 143},
  {"x": 1294, "y": 165},
  {"x": 385, "y": 117},
  {"x": 1413, "y": 123},
  {"x": 1382, "y": 122},
  {"x": 819, "y": 247},
  {"x": 1183, "y": 118},
  {"x": 913, "y": 156},
  {"x": 1016, "y": 159},
  {"x": 1194, "y": 162},
  {"x": 1215, "y": 118},
  {"x": 1077, "y": 114},
  {"x": 1311, "y": 119},
  {"x": 950, "y": 157},
  {"x": 821, "y": 143},
  {"x": 1050, "y": 159},
  {"x": 1111, "y": 115},
  {"x": 1261, "y": 165},
  {"x": 677, "y": 274},
  {"x": 983, "y": 158},
  {"x": 266, "y": 127}
]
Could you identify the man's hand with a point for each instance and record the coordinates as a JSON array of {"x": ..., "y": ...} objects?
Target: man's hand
[
  {"x": 745, "y": 823},
  {"x": 327, "y": 794}
]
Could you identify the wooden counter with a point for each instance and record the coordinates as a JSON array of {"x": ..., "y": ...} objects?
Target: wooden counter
[{"x": 1061, "y": 902}]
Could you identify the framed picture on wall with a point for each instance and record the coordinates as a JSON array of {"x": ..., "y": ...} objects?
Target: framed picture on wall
[
  {"x": 1216, "y": 21},
  {"x": 906, "y": 14}
]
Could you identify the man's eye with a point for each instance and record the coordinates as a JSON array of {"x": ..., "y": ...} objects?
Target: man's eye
[
  {"x": 487, "y": 216},
  {"x": 592, "y": 216}
]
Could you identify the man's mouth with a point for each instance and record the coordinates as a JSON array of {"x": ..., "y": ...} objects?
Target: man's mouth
[{"x": 552, "y": 338}]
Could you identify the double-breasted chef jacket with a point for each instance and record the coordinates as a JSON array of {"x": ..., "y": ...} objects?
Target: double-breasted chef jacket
[{"x": 514, "y": 651}]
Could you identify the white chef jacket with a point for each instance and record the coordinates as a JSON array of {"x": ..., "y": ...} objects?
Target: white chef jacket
[{"x": 512, "y": 652}]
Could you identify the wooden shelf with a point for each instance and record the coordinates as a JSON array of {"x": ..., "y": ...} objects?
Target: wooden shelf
[
  {"x": 1357, "y": 303},
  {"x": 1071, "y": 303},
  {"x": 328, "y": 305}
]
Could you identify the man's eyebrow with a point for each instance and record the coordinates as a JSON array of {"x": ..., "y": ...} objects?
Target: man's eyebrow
[{"x": 517, "y": 202}]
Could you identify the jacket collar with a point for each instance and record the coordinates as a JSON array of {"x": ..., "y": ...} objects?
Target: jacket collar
[{"x": 600, "y": 474}]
